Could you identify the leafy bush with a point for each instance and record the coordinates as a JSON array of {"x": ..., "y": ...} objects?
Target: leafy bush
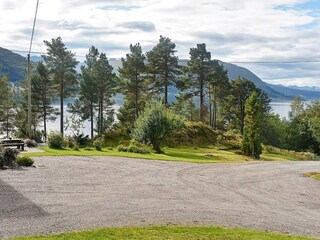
[
  {"x": 98, "y": 144},
  {"x": 134, "y": 147},
  {"x": 115, "y": 137},
  {"x": 82, "y": 140},
  {"x": 303, "y": 156},
  {"x": 9, "y": 156},
  {"x": 122, "y": 148},
  {"x": 155, "y": 124},
  {"x": 88, "y": 148},
  {"x": 55, "y": 140},
  {"x": 24, "y": 161},
  {"x": 71, "y": 142}
]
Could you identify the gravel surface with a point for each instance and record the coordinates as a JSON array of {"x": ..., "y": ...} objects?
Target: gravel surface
[{"x": 74, "y": 193}]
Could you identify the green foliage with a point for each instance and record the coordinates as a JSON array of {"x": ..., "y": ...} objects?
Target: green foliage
[
  {"x": 155, "y": 124},
  {"x": 193, "y": 134},
  {"x": 251, "y": 145},
  {"x": 7, "y": 107},
  {"x": 132, "y": 85},
  {"x": 241, "y": 90},
  {"x": 122, "y": 148},
  {"x": 198, "y": 75},
  {"x": 163, "y": 67},
  {"x": 71, "y": 142},
  {"x": 115, "y": 136},
  {"x": 61, "y": 65},
  {"x": 56, "y": 140},
  {"x": 24, "y": 161},
  {"x": 9, "y": 156},
  {"x": 82, "y": 140},
  {"x": 134, "y": 147},
  {"x": 98, "y": 143},
  {"x": 303, "y": 156}
]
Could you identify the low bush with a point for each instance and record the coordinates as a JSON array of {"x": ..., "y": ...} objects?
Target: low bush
[
  {"x": 72, "y": 143},
  {"x": 98, "y": 144},
  {"x": 115, "y": 137},
  {"x": 122, "y": 148},
  {"x": 24, "y": 161},
  {"x": 9, "y": 156},
  {"x": 31, "y": 143},
  {"x": 82, "y": 140},
  {"x": 134, "y": 147},
  {"x": 55, "y": 140},
  {"x": 303, "y": 156}
]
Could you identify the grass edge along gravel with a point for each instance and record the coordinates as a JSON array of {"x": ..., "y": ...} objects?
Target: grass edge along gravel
[
  {"x": 182, "y": 154},
  {"x": 168, "y": 232},
  {"x": 315, "y": 175}
]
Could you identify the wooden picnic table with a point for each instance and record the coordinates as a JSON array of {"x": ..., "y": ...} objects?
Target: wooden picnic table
[{"x": 12, "y": 143}]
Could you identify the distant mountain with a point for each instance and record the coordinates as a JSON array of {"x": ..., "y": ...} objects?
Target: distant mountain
[
  {"x": 12, "y": 64},
  {"x": 304, "y": 94},
  {"x": 15, "y": 65},
  {"x": 307, "y": 88}
]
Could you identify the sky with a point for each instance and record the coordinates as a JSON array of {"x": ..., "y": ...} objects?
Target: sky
[{"x": 233, "y": 30}]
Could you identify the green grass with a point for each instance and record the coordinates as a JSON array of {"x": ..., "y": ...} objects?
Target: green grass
[
  {"x": 194, "y": 155},
  {"x": 168, "y": 233},
  {"x": 277, "y": 157},
  {"x": 184, "y": 154},
  {"x": 315, "y": 175}
]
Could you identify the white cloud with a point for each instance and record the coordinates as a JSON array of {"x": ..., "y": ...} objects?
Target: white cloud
[{"x": 234, "y": 30}]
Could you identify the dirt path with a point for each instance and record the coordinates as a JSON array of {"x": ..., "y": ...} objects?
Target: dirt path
[{"x": 73, "y": 193}]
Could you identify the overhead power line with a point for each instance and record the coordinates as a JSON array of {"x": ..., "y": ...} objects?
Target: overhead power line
[{"x": 235, "y": 62}]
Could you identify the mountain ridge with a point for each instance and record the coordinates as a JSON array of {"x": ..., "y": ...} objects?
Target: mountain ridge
[{"x": 15, "y": 65}]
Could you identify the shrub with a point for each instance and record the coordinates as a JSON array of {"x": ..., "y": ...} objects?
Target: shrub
[
  {"x": 115, "y": 137},
  {"x": 155, "y": 124},
  {"x": 122, "y": 148},
  {"x": 82, "y": 140},
  {"x": 98, "y": 144},
  {"x": 88, "y": 148},
  {"x": 55, "y": 140},
  {"x": 24, "y": 161},
  {"x": 71, "y": 142},
  {"x": 9, "y": 156},
  {"x": 31, "y": 143}
]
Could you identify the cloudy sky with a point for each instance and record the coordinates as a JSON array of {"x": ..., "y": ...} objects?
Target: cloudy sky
[{"x": 234, "y": 30}]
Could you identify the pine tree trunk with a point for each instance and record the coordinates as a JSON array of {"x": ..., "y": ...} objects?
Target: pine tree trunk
[
  {"x": 61, "y": 107},
  {"x": 91, "y": 118},
  {"x": 45, "y": 122},
  {"x": 201, "y": 101}
]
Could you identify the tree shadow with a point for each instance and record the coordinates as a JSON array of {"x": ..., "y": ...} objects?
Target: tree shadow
[{"x": 15, "y": 205}]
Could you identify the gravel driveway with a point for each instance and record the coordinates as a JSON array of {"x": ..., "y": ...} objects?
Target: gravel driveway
[{"x": 74, "y": 193}]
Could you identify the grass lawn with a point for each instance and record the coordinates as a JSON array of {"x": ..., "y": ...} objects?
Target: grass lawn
[
  {"x": 184, "y": 154},
  {"x": 195, "y": 155},
  {"x": 315, "y": 175},
  {"x": 173, "y": 233}
]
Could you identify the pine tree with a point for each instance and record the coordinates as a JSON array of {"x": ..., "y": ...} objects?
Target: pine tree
[
  {"x": 7, "y": 106},
  {"x": 199, "y": 72},
  {"x": 62, "y": 66},
  {"x": 132, "y": 84},
  {"x": 105, "y": 79},
  {"x": 42, "y": 96},
  {"x": 88, "y": 88},
  {"x": 251, "y": 145},
  {"x": 218, "y": 88},
  {"x": 163, "y": 67}
]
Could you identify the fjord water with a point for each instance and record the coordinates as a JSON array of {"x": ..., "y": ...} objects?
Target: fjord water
[{"x": 281, "y": 108}]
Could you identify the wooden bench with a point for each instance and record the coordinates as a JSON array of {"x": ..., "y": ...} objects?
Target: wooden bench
[{"x": 12, "y": 143}]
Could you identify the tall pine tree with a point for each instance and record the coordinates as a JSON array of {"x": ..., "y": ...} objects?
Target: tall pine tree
[
  {"x": 132, "y": 84},
  {"x": 163, "y": 66},
  {"x": 62, "y": 66}
]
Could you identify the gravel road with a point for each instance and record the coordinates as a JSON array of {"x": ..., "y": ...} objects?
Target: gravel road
[{"x": 74, "y": 193}]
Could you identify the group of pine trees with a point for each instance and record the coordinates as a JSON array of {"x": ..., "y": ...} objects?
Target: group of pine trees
[{"x": 205, "y": 92}]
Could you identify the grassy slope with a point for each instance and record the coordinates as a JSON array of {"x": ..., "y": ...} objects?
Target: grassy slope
[
  {"x": 315, "y": 175},
  {"x": 173, "y": 233},
  {"x": 195, "y": 155}
]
